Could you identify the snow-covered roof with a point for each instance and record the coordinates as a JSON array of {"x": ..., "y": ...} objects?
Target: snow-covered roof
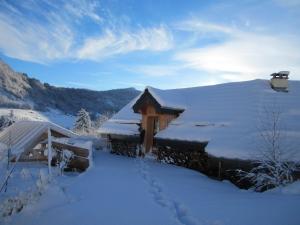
[
  {"x": 124, "y": 122},
  {"x": 171, "y": 99},
  {"x": 226, "y": 115},
  {"x": 21, "y": 135}
]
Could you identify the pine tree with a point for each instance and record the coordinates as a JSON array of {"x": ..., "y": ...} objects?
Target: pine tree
[{"x": 83, "y": 121}]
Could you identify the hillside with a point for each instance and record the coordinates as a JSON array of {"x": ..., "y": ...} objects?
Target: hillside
[{"x": 18, "y": 90}]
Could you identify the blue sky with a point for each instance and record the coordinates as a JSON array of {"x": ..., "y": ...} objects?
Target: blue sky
[{"x": 167, "y": 44}]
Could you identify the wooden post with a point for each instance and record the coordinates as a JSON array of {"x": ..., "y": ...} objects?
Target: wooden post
[
  {"x": 220, "y": 165},
  {"x": 49, "y": 150},
  {"x": 8, "y": 158}
]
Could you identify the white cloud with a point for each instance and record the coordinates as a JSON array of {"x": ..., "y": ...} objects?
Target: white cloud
[
  {"x": 195, "y": 25},
  {"x": 113, "y": 43},
  {"x": 244, "y": 55},
  {"x": 82, "y": 8},
  {"x": 54, "y": 33},
  {"x": 33, "y": 42}
]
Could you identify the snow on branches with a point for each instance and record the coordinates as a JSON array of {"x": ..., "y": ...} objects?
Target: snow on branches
[{"x": 83, "y": 122}]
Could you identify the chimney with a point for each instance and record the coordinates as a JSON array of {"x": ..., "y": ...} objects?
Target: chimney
[{"x": 279, "y": 81}]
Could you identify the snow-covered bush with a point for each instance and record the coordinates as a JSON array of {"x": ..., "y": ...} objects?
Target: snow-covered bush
[
  {"x": 273, "y": 165},
  {"x": 268, "y": 174},
  {"x": 65, "y": 158},
  {"x": 15, "y": 204},
  {"x": 83, "y": 122}
]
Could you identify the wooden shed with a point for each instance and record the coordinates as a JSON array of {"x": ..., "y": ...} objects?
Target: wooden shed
[{"x": 28, "y": 140}]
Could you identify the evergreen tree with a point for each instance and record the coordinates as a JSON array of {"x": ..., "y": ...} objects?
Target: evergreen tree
[{"x": 83, "y": 121}]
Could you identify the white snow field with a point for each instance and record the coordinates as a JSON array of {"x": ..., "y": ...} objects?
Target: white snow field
[{"x": 124, "y": 191}]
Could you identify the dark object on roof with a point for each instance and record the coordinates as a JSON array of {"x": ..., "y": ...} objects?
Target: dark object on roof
[
  {"x": 279, "y": 81},
  {"x": 281, "y": 75}
]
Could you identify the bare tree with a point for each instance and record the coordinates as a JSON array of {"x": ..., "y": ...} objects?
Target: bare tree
[
  {"x": 102, "y": 118},
  {"x": 273, "y": 164}
]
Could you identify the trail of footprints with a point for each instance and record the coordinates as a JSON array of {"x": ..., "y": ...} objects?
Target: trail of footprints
[{"x": 180, "y": 212}]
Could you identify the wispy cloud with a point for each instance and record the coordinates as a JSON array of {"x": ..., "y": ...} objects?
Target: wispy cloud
[
  {"x": 33, "y": 42},
  {"x": 83, "y": 8},
  {"x": 198, "y": 26},
  {"x": 120, "y": 42},
  {"x": 52, "y": 31},
  {"x": 242, "y": 55}
]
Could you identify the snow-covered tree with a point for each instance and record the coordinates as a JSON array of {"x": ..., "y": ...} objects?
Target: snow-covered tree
[
  {"x": 83, "y": 121},
  {"x": 7, "y": 120},
  {"x": 273, "y": 165}
]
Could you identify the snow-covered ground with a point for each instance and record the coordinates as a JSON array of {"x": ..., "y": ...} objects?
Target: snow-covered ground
[
  {"x": 125, "y": 191},
  {"x": 64, "y": 120}
]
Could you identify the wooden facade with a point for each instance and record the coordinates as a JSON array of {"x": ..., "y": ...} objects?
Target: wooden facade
[{"x": 155, "y": 117}]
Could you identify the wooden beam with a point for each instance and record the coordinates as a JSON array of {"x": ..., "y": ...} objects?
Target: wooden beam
[{"x": 49, "y": 150}]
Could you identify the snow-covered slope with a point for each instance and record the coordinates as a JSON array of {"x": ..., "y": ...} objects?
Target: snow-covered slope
[
  {"x": 226, "y": 115},
  {"x": 54, "y": 116}
]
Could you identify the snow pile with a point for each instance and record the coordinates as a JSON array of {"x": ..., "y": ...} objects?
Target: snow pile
[{"x": 226, "y": 115}]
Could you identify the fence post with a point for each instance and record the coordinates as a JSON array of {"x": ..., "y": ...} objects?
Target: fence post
[{"x": 49, "y": 150}]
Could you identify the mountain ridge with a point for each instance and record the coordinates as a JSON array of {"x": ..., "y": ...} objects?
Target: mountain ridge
[{"x": 18, "y": 90}]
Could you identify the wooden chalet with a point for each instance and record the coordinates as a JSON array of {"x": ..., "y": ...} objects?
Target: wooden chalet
[{"x": 210, "y": 129}]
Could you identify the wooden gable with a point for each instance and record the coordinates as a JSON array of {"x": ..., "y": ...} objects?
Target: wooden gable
[{"x": 147, "y": 99}]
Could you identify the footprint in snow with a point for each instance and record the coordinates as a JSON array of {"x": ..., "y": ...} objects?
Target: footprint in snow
[{"x": 181, "y": 213}]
